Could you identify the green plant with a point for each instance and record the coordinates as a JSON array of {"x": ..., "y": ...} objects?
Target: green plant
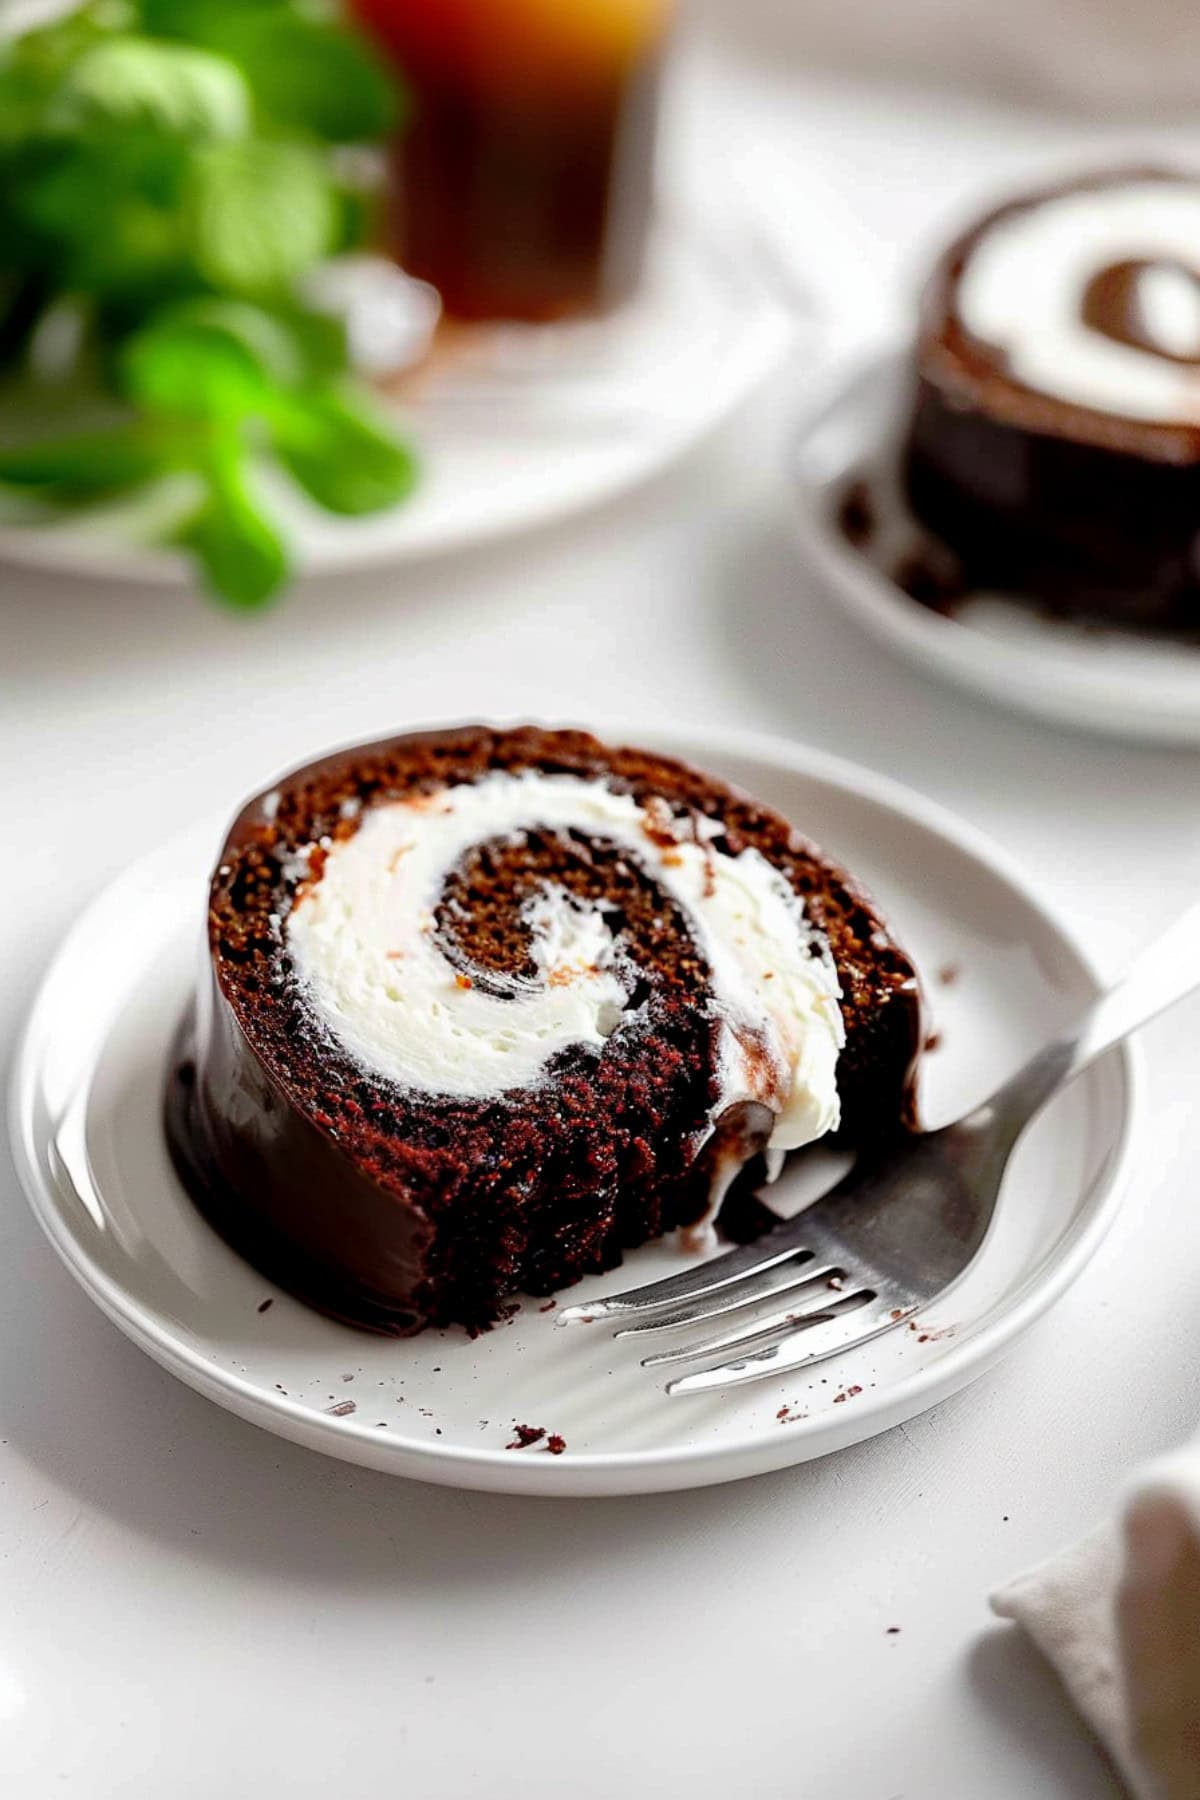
[{"x": 170, "y": 170}]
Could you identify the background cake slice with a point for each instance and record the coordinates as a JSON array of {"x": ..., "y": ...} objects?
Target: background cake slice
[
  {"x": 486, "y": 1008},
  {"x": 1054, "y": 443}
]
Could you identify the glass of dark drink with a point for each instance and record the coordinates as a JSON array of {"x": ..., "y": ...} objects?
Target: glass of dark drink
[{"x": 522, "y": 183}]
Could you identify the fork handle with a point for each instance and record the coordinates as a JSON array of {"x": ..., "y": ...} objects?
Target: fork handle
[{"x": 1167, "y": 971}]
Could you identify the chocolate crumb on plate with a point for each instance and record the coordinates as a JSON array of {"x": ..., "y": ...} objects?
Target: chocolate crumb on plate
[
  {"x": 932, "y": 577},
  {"x": 267, "y": 1304},
  {"x": 526, "y": 1435},
  {"x": 856, "y": 514}
]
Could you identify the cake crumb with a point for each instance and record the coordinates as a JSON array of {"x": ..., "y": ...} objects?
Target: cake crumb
[
  {"x": 856, "y": 514},
  {"x": 933, "y": 576},
  {"x": 267, "y": 1304},
  {"x": 933, "y": 1041},
  {"x": 463, "y": 981},
  {"x": 549, "y": 1306},
  {"x": 893, "y": 1631},
  {"x": 343, "y": 1409},
  {"x": 948, "y": 974},
  {"x": 556, "y": 1444},
  {"x": 526, "y": 1435}
]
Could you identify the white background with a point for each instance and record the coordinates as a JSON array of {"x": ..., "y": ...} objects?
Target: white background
[{"x": 190, "y": 1608}]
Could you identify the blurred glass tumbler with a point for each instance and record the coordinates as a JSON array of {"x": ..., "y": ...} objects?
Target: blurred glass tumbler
[{"x": 522, "y": 184}]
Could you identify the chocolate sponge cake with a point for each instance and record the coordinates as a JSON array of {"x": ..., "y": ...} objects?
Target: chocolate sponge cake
[
  {"x": 1055, "y": 438},
  {"x": 485, "y": 1008}
]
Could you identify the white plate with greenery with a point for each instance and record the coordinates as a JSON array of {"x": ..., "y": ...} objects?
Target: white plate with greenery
[
  {"x": 207, "y": 375},
  {"x": 510, "y": 429}
]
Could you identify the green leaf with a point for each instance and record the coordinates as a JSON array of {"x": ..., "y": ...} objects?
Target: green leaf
[
  {"x": 33, "y": 64},
  {"x": 25, "y": 94},
  {"x": 259, "y": 214},
  {"x": 345, "y": 459},
  {"x": 192, "y": 371},
  {"x": 318, "y": 78},
  {"x": 175, "y": 89},
  {"x": 209, "y": 358},
  {"x": 318, "y": 339},
  {"x": 89, "y": 464},
  {"x": 308, "y": 72},
  {"x": 241, "y": 556},
  {"x": 103, "y": 221},
  {"x": 207, "y": 22}
]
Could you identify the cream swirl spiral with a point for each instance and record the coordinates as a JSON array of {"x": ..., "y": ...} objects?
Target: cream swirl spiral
[
  {"x": 1092, "y": 295},
  {"x": 366, "y": 944}
]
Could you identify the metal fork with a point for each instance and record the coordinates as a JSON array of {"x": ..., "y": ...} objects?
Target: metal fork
[{"x": 899, "y": 1229}]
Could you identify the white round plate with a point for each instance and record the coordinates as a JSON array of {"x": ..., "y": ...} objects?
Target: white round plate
[
  {"x": 1077, "y": 675},
  {"x": 89, "y": 1145},
  {"x": 517, "y": 428}
]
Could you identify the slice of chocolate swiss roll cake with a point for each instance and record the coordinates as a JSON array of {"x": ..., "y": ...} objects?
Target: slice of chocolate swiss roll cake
[
  {"x": 485, "y": 1008},
  {"x": 1055, "y": 438}
]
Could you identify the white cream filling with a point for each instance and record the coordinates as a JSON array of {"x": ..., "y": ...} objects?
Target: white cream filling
[
  {"x": 362, "y": 942},
  {"x": 1023, "y": 285}
]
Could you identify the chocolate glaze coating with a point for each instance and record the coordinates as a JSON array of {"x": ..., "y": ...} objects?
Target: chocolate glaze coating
[
  {"x": 1081, "y": 510},
  {"x": 391, "y": 1210}
]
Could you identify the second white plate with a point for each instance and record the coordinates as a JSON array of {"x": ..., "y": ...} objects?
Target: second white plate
[
  {"x": 1106, "y": 681},
  {"x": 1003, "y": 973}
]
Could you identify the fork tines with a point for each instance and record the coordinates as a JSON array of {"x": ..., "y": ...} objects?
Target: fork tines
[{"x": 821, "y": 1293}]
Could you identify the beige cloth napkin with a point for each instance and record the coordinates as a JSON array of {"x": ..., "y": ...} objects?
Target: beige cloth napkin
[{"x": 1119, "y": 1618}]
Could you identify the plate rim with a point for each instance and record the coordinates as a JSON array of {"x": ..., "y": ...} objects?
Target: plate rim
[
  {"x": 602, "y": 1473},
  {"x": 1165, "y": 705}
]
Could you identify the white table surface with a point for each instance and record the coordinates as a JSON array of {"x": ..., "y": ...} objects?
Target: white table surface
[{"x": 190, "y": 1608}]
